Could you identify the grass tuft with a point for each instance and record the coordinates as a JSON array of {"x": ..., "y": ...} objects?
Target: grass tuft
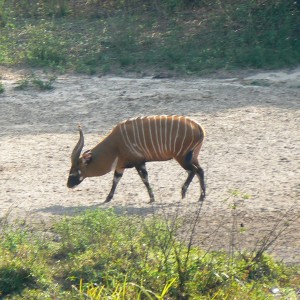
[
  {"x": 1, "y": 88},
  {"x": 34, "y": 82}
]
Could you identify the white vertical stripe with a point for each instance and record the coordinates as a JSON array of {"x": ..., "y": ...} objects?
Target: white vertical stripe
[
  {"x": 176, "y": 137},
  {"x": 171, "y": 129},
  {"x": 189, "y": 147},
  {"x": 160, "y": 134},
  {"x": 151, "y": 137},
  {"x": 163, "y": 139},
  {"x": 183, "y": 138},
  {"x": 137, "y": 142},
  {"x": 162, "y": 151},
  {"x": 122, "y": 133},
  {"x": 133, "y": 130},
  {"x": 142, "y": 143},
  {"x": 144, "y": 139},
  {"x": 127, "y": 140},
  {"x": 166, "y": 134},
  {"x": 114, "y": 164},
  {"x": 158, "y": 142}
]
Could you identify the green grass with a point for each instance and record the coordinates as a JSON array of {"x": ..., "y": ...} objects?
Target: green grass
[
  {"x": 32, "y": 82},
  {"x": 185, "y": 37},
  {"x": 1, "y": 88},
  {"x": 107, "y": 256}
]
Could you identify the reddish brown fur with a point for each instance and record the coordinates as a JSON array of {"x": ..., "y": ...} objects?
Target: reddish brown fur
[{"x": 139, "y": 140}]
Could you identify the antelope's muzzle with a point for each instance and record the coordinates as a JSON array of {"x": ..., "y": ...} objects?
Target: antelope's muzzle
[{"x": 73, "y": 181}]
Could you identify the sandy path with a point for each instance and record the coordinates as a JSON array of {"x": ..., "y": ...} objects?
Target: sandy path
[{"x": 252, "y": 145}]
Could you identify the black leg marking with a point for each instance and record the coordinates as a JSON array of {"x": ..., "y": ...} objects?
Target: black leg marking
[
  {"x": 193, "y": 170},
  {"x": 144, "y": 175},
  {"x": 187, "y": 183},
  {"x": 117, "y": 177},
  {"x": 189, "y": 156},
  {"x": 200, "y": 174}
]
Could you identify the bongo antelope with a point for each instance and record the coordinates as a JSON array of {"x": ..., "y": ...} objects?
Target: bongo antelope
[{"x": 136, "y": 141}]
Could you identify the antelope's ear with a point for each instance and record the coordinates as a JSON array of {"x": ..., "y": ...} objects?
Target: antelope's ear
[{"x": 87, "y": 157}]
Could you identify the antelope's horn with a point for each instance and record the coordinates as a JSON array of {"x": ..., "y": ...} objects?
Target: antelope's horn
[{"x": 77, "y": 149}]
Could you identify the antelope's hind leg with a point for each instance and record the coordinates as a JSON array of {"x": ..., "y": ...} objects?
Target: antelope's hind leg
[
  {"x": 200, "y": 174},
  {"x": 187, "y": 183},
  {"x": 117, "y": 177},
  {"x": 141, "y": 169},
  {"x": 191, "y": 165}
]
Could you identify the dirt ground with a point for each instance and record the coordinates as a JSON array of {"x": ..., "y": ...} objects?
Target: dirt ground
[{"x": 251, "y": 155}]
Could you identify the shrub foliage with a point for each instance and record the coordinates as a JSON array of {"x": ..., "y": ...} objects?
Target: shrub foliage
[
  {"x": 184, "y": 36},
  {"x": 101, "y": 255}
]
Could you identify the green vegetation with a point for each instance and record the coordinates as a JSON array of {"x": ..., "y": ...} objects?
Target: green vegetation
[
  {"x": 100, "y": 255},
  {"x": 33, "y": 82},
  {"x": 1, "y": 88},
  {"x": 181, "y": 36}
]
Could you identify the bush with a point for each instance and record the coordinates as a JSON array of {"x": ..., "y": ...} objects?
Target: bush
[
  {"x": 14, "y": 278},
  {"x": 182, "y": 36},
  {"x": 107, "y": 256}
]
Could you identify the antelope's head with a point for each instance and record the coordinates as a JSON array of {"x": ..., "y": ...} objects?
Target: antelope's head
[{"x": 78, "y": 164}]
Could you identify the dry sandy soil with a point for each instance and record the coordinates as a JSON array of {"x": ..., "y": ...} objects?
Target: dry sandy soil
[{"x": 252, "y": 146}]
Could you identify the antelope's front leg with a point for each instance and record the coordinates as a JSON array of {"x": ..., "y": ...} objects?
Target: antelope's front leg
[
  {"x": 144, "y": 175},
  {"x": 117, "y": 177}
]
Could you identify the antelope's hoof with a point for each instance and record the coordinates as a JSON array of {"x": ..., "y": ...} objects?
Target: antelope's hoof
[
  {"x": 202, "y": 197},
  {"x": 108, "y": 199},
  {"x": 183, "y": 193},
  {"x": 151, "y": 200}
]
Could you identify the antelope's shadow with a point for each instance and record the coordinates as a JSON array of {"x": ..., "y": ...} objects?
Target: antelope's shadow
[{"x": 145, "y": 210}]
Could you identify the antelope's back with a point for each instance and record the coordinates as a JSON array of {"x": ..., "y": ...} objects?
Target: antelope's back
[{"x": 160, "y": 137}]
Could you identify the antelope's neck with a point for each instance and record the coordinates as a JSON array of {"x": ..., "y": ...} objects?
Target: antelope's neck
[{"x": 104, "y": 160}]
